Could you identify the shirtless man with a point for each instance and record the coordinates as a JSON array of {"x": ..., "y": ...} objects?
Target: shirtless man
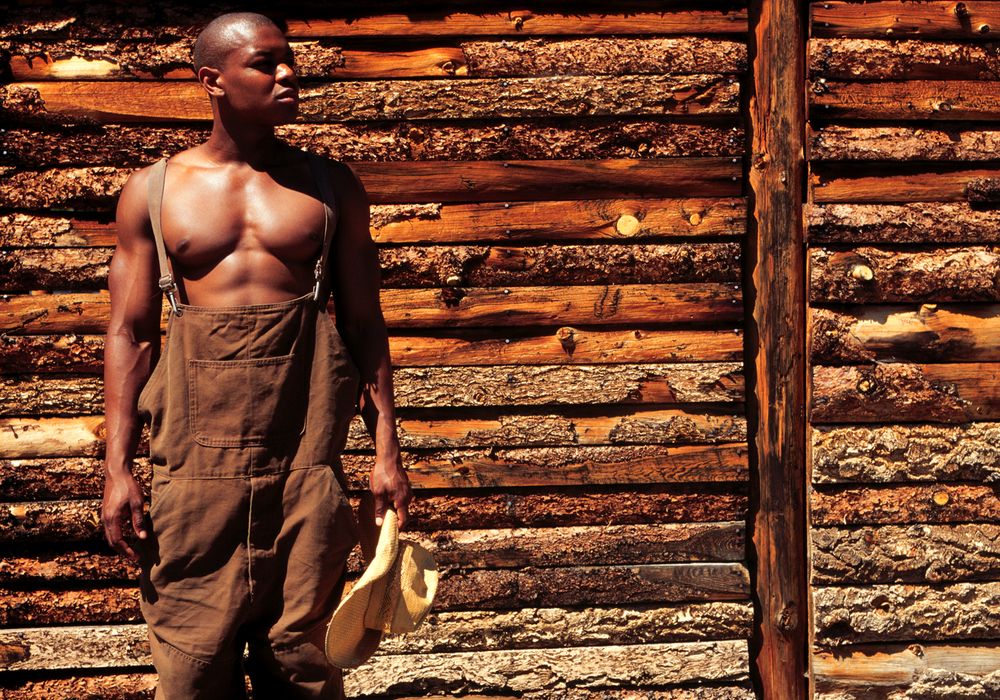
[{"x": 248, "y": 530}]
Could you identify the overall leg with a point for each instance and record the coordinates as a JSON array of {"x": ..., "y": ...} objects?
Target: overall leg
[
  {"x": 296, "y": 594},
  {"x": 193, "y": 587}
]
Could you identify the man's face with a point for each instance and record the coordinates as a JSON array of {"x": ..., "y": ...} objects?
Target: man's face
[{"x": 257, "y": 75}]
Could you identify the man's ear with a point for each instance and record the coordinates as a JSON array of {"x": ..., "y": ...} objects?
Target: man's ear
[{"x": 211, "y": 80}]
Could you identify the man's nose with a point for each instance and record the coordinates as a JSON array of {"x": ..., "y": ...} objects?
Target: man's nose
[{"x": 285, "y": 71}]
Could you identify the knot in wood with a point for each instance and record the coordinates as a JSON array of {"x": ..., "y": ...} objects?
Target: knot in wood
[
  {"x": 940, "y": 498},
  {"x": 518, "y": 22},
  {"x": 786, "y": 619},
  {"x": 862, "y": 272},
  {"x": 566, "y": 337},
  {"x": 961, "y": 10},
  {"x": 866, "y": 385},
  {"x": 627, "y": 225},
  {"x": 984, "y": 29},
  {"x": 453, "y": 280}
]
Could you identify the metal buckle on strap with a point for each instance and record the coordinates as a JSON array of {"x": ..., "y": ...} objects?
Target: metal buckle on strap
[
  {"x": 318, "y": 272},
  {"x": 167, "y": 285}
]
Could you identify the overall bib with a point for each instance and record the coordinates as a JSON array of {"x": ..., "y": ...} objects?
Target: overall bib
[{"x": 250, "y": 528}]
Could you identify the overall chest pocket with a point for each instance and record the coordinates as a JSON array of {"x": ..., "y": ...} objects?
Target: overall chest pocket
[{"x": 238, "y": 403}]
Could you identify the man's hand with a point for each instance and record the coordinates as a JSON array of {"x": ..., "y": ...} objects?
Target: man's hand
[
  {"x": 123, "y": 500},
  {"x": 391, "y": 487}
]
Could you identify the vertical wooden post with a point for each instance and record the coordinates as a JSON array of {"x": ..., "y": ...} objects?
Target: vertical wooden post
[{"x": 776, "y": 334}]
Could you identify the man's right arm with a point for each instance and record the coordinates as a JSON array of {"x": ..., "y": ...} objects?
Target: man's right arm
[{"x": 131, "y": 348}]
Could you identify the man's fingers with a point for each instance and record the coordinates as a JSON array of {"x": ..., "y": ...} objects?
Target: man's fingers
[
  {"x": 117, "y": 541},
  {"x": 379, "y": 509},
  {"x": 137, "y": 518}
]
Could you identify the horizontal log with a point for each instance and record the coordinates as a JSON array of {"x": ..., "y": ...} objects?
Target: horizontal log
[
  {"x": 890, "y": 58},
  {"x": 483, "y": 589},
  {"x": 82, "y": 477},
  {"x": 920, "y": 222},
  {"x": 859, "y": 183},
  {"x": 869, "y": 274},
  {"x": 465, "y": 549},
  {"x": 598, "y": 220},
  {"x": 86, "y": 269},
  {"x": 904, "y": 99},
  {"x": 37, "y": 649},
  {"x": 934, "y": 19},
  {"x": 590, "y": 667},
  {"x": 84, "y": 435},
  {"x": 835, "y": 142},
  {"x": 137, "y": 102},
  {"x": 905, "y": 554},
  {"x": 140, "y": 686},
  {"x": 123, "y": 59},
  {"x": 104, "y": 23},
  {"x": 883, "y": 453},
  {"x": 948, "y": 393},
  {"x": 451, "y": 387},
  {"x": 891, "y": 671},
  {"x": 84, "y": 354},
  {"x": 924, "y": 333},
  {"x": 65, "y": 522},
  {"x": 902, "y": 504},
  {"x": 703, "y": 302},
  {"x": 32, "y": 146},
  {"x": 417, "y": 182},
  {"x": 886, "y": 613}
]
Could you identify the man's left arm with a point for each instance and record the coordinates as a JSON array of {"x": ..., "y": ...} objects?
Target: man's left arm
[{"x": 355, "y": 284}]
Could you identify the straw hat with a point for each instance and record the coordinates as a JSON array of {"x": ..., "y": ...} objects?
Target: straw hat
[{"x": 392, "y": 596}]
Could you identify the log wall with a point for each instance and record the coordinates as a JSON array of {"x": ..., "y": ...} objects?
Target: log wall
[
  {"x": 904, "y": 307},
  {"x": 560, "y": 215}
]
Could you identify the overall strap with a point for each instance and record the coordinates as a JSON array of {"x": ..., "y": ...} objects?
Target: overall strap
[
  {"x": 154, "y": 196},
  {"x": 322, "y": 176}
]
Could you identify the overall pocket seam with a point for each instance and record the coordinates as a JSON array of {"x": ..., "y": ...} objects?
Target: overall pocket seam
[{"x": 201, "y": 435}]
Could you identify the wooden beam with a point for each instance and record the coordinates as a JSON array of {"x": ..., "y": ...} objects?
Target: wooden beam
[{"x": 776, "y": 331}]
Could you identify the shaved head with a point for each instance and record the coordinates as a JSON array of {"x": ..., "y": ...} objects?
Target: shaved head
[{"x": 225, "y": 33}]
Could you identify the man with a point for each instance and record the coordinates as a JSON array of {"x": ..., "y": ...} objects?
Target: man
[{"x": 248, "y": 529}]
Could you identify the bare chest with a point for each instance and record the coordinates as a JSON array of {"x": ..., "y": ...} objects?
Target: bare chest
[{"x": 207, "y": 218}]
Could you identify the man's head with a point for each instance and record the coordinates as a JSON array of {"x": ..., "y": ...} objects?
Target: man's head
[{"x": 244, "y": 62}]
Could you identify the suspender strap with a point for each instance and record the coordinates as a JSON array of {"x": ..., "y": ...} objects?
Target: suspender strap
[
  {"x": 322, "y": 175},
  {"x": 155, "y": 200}
]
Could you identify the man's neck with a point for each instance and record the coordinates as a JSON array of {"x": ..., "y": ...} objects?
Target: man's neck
[{"x": 257, "y": 147}]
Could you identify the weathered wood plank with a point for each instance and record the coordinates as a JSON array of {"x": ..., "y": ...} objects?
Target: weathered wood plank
[
  {"x": 901, "y": 504},
  {"x": 139, "y": 686},
  {"x": 890, "y": 58},
  {"x": 860, "y": 183},
  {"x": 86, "y": 269},
  {"x": 924, "y": 333},
  {"x": 136, "y": 102},
  {"x": 70, "y": 521},
  {"x": 450, "y": 387},
  {"x": 82, "y": 477},
  {"x": 83, "y": 435},
  {"x": 590, "y": 667},
  {"x": 419, "y": 182},
  {"x": 934, "y": 19},
  {"x": 884, "y": 613},
  {"x": 436, "y": 223},
  {"x": 777, "y": 379},
  {"x": 702, "y": 302},
  {"x": 904, "y": 99},
  {"x": 117, "y": 60},
  {"x": 868, "y": 274},
  {"x": 480, "y": 589},
  {"x": 33, "y": 649},
  {"x": 920, "y": 222},
  {"x": 949, "y": 393},
  {"x": 883, "y": 453},
  {"x": 902, "y": 671},
  {"x": 906, "y": 554},
  {"x": 34, "y": 147},
  {"x": 103, "y": 23},
  {"x": 836, "y": 142},
  {"x": 479, "y": 548},
  {"x": 84, "y": 354}
]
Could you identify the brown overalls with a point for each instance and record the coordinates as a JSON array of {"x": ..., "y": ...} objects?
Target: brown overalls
[{"x": 250, "y": 527}]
